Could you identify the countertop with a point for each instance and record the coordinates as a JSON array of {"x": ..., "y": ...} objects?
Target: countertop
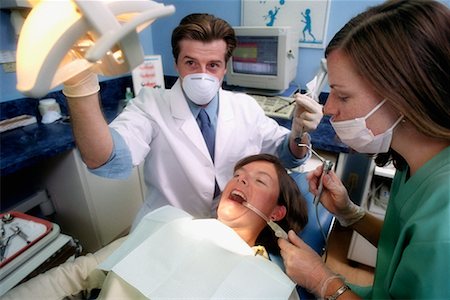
[
  {"x": 25, "y": 146},
  {"x": 28, "y": 145}
]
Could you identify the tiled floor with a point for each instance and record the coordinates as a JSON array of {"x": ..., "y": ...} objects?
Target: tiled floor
[{"x": 338, "y": 243}]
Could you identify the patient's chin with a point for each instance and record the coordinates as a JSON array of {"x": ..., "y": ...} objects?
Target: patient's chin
[{"x": 229, "y": 211}]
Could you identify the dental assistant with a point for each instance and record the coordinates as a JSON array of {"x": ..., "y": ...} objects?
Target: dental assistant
[
  {"x": 161, "y": 129},
  {"x": 388, "y": 72}
]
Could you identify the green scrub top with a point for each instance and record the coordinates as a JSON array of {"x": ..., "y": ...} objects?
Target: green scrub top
[{"x": 413, "y": 258}]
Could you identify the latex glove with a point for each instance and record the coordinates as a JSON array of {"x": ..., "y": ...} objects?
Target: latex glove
[
  {"x": 307, "y": 115},
  {"x": 303, "y": 265},
  {"x": 335, "y": 197},
  {"x": 81, "y": 85}
]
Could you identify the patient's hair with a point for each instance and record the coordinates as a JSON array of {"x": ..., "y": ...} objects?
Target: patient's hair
[
  {"x": 203, "y": 28},
  {"x": 290, "y": 196}
]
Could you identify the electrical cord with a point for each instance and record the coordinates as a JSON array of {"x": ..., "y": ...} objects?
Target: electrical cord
[
  {"x": 324, "y": 236},
  {"x": 327, "y": 165}
]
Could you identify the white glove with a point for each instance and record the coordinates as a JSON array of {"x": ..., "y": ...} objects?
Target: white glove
[
  {"x": 304, "y": 266},
  {"x": 351, "y": 214},
  {"x": 307, "y": 116},
  {"x": 81, "y": 85},
  {"x": 335, "y": 197}
]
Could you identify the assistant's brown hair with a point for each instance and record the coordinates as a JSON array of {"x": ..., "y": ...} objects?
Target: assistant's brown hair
[
  {"x": 290, "y": 196},
  {"x": 401, "y": 49},
  {"x": 204, "y": 28}
]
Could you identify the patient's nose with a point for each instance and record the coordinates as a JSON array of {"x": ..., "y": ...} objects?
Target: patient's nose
[{"x": 242, "y": 180}]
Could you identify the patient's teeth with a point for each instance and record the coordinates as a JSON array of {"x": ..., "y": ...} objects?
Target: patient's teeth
[{"x": 237, "y": 196}]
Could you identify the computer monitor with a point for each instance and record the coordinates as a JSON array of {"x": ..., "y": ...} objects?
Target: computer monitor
[{"x": 265, "y": 59}]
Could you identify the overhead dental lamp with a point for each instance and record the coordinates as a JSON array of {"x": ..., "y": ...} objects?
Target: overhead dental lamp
[{"x": 60, "y": 39}]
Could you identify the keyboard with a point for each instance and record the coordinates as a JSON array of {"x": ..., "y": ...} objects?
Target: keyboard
[{"x": 276, "y": 106}]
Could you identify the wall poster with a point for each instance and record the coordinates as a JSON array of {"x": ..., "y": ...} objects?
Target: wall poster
[
  {"x": 149, "y": 74},
  {"x": 309, "y": 17}
]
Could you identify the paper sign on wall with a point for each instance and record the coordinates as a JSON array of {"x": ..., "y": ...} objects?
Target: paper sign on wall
[{"x": 148, "y": 74}]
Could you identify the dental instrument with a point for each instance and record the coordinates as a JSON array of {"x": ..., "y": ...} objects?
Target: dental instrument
[
  {"x": 300, "y": 134},
  {"x": 5, "y": 245},
  {"x": 279, "y": 232},
  {"x": 18, "y": 231},
  {"x": 327, "y": 165},
  {"x": 284, "y": 106},
  {"x": 315, "y": 86}
]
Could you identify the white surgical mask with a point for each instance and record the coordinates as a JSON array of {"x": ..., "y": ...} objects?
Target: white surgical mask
[
  {"x": 200, "y": 87},
  {"x": 356, "y": 135}
]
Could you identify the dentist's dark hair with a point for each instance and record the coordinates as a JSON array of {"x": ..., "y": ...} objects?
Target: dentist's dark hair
[
  {"x": 401, "y": 49},
  {"x": 290, "y": 197},
  {"x": 204, "y": 28}
]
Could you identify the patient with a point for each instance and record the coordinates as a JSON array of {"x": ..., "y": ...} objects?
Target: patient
[{"x": 259, "y": 180}]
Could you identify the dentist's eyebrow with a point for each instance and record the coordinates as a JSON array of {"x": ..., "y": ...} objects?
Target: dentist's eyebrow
[{"x": 188, "y": 57}]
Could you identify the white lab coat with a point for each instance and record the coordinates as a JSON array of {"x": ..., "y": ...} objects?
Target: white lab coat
[{"x": 159, "y": 128}]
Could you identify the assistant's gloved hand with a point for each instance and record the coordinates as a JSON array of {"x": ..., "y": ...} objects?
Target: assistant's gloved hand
[
  {"x": 307, "y": 115},
  {"x": 81, "y": 85},
  {"x": 335, "y": 197},
  {"x": 304, "y": 266},
  {"x": 350, "y": 214}
]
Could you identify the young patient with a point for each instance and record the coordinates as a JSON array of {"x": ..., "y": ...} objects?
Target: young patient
[{"x": 259, "y": 180}]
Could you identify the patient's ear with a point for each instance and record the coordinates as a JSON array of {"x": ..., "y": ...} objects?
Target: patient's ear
[{"x": 278, "y": 213}]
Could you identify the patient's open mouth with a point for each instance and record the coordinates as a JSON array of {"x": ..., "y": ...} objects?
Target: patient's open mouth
[{"x": 237, "y": 196}]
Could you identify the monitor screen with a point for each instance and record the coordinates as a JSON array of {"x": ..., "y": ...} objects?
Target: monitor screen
[
  {"x": 256, "y": 55},
  {"x": 265, "y": 59}
]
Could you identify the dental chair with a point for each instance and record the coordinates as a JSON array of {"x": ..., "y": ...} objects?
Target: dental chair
[
  {"x": 313, "y": 234},
  {"x": 84, "y": 275}
]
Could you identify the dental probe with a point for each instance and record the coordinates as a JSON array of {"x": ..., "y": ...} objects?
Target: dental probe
[
  {"x": 290, "y": 103},
  {"x": 327, "y": 166},
  {"x": 279, "y": 232}
]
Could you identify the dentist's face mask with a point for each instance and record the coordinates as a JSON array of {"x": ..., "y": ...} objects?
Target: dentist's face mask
[
  {"x": 356, "y": 135},
  {"x": 200, "y": 87}
]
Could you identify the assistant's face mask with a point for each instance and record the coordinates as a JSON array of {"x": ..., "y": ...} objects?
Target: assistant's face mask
[
  {"x": 200, "y": 87},
  {"x": 356, "y": 135}
]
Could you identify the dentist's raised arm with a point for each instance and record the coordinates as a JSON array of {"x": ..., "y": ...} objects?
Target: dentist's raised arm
[{"x": 92, "y": 135}]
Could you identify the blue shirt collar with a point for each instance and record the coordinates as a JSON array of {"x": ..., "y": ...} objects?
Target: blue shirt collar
[{"x": 211, "y": 109}]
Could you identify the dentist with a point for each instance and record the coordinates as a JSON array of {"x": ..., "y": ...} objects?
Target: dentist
[{"x": 188, "y": 137}]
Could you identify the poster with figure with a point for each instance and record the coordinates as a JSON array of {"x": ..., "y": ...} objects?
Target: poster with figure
[{"x": 308, "y": 17}]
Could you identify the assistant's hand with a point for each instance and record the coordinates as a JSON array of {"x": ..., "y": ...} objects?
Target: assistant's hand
[
  {"x": 303, "y": 265},
  {"x": 335, "y": 197},
  {"x": 81, "y": 85},
  {"x": 307, "y": 115}
]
